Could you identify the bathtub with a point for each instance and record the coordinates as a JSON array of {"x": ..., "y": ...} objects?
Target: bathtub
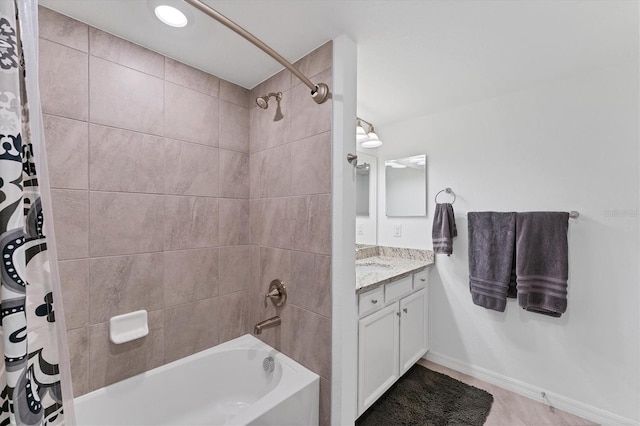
[{"x": 223, "y": 385}]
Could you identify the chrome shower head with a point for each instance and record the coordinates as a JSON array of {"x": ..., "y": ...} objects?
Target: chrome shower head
[{"x": 263, "y": 101}]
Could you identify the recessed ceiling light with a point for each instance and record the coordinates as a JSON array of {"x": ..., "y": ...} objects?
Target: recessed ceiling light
[{"x": 171, "y": 16}]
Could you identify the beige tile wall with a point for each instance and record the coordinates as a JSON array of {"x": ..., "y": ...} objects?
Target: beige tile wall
[
  {"x": 149, "y": 164},
  {"x": 290, "y": 223},
  {"x": 174, "y": 193}
]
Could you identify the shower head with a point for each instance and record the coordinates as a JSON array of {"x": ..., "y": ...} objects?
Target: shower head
[{"x": 263, "y": 101}]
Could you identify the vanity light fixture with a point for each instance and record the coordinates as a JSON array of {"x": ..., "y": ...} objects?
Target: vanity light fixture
[
  {"x": 373, "y": 141},
  {"x": 361, "y": 133},
  {"x": 366, "y": 139}
]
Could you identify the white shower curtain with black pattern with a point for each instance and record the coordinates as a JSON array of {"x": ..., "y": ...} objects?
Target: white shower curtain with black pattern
[{"x": 31, "y": 321}]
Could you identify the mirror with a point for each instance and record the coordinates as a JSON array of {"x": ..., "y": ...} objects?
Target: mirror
[
  {"x": 362, "y": 189},
  {"x": 366, "y": 199},
  {"x": 406, "y": 186}
]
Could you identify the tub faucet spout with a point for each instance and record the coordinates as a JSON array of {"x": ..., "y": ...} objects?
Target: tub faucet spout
[{"x": 268, "y": 323}]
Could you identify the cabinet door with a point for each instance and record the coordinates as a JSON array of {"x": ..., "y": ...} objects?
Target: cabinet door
[
  {"x": 377, "y": 354},
  {"x": 413, "y": 329}
]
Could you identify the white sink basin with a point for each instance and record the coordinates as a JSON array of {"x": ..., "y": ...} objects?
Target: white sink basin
[{"x": 373, "y": 267}]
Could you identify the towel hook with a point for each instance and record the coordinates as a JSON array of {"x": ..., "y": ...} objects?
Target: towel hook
[{"x": 448, "y": 191}]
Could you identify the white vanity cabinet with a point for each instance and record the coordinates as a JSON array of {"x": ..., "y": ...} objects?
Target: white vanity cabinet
[
  {"x": 392, "y": 334},
  {"x": 413, "y": 329},
  {"x": 378, "y": 364}
]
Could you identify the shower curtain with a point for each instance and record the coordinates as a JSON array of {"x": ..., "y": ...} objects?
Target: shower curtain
[{"x": 31, "y": 322}]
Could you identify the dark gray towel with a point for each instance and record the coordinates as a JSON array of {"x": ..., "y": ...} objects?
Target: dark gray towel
[
  {"x": 492, "y": 237},
  {"x": 444, "y": 229},
  {"x": 542, "y": 261}
]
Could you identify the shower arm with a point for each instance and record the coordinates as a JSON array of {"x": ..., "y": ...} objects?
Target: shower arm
[{"x": 319, "y": 92}]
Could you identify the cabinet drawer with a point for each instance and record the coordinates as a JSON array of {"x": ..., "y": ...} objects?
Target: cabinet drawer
[
  {"x": 419, "y": 279},
  {"x": 371, "y": 300},
  {"x": 397, "y": 289}
]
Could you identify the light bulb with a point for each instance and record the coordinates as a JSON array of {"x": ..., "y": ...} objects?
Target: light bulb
[
  {"x": 373, "y": 141},
  {"x": 361, "y": 134}
]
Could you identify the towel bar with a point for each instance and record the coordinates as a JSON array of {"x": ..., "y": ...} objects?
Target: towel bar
[
  {"x": 448, "y": 191},
  {"x": 572, "y": 214}
]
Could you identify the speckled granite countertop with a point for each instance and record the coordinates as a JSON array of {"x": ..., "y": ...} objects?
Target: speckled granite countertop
[{"x": 389, "y": 264}]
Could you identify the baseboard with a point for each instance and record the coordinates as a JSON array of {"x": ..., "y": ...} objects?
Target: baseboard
[{"x": 560, "y": 402}]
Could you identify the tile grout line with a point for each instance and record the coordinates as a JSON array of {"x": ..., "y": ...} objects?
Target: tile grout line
[{"x": 75, "y": 49}]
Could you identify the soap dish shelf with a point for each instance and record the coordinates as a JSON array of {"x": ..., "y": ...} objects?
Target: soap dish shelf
[{"x": 127, "y": 327}]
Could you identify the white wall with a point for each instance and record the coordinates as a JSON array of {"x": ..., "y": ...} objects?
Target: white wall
[
  {"x": 570, "y": 144},
  {"x": 344, "y": 336}
]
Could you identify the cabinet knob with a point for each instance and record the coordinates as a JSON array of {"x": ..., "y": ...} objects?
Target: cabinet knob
[
  {"x": 374, "y": 301},
  {"x": 398, "y": 313},
  {"x": 423, "y": 279},
  {"x": 405, "y": 310}
]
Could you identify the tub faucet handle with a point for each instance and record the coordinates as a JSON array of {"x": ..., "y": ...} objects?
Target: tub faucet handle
[
  {"x": 277, "y": 293},
  {"x": 273, "y": 295}
]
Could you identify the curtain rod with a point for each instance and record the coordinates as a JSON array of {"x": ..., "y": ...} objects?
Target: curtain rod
[{"x": 319, "y": 92}]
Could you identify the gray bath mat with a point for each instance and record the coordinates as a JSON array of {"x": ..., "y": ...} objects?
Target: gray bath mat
[{"x": 424, "y": 397}]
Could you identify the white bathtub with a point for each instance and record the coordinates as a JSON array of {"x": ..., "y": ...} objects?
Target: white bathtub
[{"x": 224, "y": 385}]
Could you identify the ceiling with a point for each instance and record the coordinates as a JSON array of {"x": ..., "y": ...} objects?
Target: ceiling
[{"x": 414, "y": 57}]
